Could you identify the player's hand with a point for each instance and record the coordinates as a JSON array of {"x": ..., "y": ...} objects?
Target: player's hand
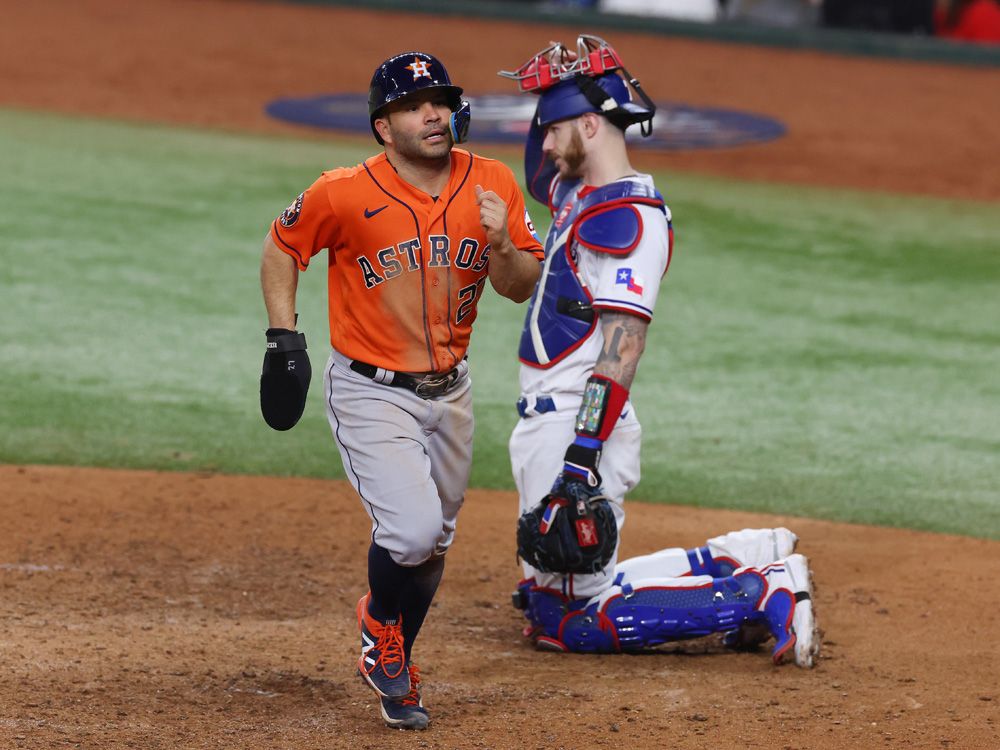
[{"x": 493, "y": 217}]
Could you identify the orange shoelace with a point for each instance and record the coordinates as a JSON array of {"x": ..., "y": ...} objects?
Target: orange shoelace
[
  {"x": 413, "y": 697},
  {"x": 390, "y": 647}
]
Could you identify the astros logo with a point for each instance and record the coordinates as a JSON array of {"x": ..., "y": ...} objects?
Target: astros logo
[{"x": 419, "y": 68}]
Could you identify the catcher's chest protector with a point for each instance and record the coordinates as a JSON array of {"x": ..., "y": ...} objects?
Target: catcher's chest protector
[{"x": 605, "y": 220}]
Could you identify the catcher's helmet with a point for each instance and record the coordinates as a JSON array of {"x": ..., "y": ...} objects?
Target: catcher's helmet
[
  {"x": 606, "y": 95},
  {"x": 408, "y": 73}
]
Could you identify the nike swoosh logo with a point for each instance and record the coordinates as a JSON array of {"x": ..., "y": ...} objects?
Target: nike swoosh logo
[
  {"x": 623, "y": 415},
  {"x": 369, "y": 214}
]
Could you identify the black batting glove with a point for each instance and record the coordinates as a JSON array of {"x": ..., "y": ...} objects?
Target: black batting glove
[{"x": 284, "y": 379}]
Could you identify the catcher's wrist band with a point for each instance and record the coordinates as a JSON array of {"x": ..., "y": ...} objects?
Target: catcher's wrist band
[
  {"x": 582, "y": 457},
  {"x": 603, "y": 401}
]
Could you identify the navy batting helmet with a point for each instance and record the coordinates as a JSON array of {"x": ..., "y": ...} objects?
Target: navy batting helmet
[{"x": 408, "y": 73}]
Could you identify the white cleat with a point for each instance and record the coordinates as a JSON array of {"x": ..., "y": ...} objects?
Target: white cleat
[{"x": 807, "y": 637}]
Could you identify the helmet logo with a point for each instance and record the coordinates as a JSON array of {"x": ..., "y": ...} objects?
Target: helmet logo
[{"x": 419, "y": 68}]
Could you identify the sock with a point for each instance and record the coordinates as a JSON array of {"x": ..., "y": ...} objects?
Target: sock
[
  {"x": 387, "y": 580},
  {"x": 416, "y": 599}
]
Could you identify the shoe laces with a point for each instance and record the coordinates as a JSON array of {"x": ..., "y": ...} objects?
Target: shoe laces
[
  {"x": 390, "y": 645},
  {"x": 412, "y": 698}
]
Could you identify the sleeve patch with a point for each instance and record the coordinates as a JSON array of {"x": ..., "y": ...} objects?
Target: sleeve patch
[
  {"x": 632, "y": 283},
  {"x": 291, "y": 214},
  {"x": 531, "y": 226}
]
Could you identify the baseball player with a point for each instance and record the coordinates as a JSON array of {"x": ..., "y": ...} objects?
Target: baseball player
[
  {"x": 609, "y": 244},
  {"x": 413, "y": 234}
]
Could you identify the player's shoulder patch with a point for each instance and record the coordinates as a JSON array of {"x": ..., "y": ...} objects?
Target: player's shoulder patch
[
  {"x": 291, "y": 214},
  {"x": 530, "y": 226}
]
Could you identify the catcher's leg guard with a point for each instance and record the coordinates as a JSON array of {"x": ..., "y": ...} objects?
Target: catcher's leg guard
[
  {"x": 558, "y": 624},
  {"x": 588, "y": 631},
  {"x": 655, "y": 611},
  {"x": 788, "y": 609},
  {"x": 521, "y": 599}
]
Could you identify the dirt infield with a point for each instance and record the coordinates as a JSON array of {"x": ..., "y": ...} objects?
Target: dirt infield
[
  {"x": 145, "y": 610},
  {"x": 174, "y": 610}
]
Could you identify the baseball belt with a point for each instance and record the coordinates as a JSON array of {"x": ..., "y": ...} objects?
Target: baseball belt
[
  {"x": 431, "y": 385},
  {"x": 532, "y": 407}
]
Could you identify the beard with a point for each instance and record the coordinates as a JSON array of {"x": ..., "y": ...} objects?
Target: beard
[
  {"x": 415, "y": 148},
  {"x": 570, "y": 161}
]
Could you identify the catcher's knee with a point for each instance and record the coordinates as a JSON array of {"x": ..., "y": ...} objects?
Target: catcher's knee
[{"x": 562, "y": 625}]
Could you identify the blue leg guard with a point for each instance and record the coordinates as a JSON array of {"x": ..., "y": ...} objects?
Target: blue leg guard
[
  {"x": 561, "y": 625},
  {"x": 631, "y": 617},
  {"x": 650, "y": 612},
  {"x": 588, "y": 631}
]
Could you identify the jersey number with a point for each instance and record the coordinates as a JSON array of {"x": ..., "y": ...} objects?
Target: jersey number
[{"x": 468, "y": 295}]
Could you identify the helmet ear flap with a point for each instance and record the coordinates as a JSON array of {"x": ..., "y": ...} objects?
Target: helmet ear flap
[{"x": 458, "y": 123}]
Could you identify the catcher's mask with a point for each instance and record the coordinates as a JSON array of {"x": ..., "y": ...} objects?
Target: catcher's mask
[
  {"x": 408, "y": 73},
  {"x": 571, "y": 84}
]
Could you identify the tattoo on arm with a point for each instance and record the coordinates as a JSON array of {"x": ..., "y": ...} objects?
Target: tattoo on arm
[{"x": 624, "y": 341}]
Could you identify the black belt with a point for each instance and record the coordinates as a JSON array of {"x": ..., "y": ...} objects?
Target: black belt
[{"x": 430, "y": 385}]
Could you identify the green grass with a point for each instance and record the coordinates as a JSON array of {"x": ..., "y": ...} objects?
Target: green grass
[{"x": 819, "y": 353}]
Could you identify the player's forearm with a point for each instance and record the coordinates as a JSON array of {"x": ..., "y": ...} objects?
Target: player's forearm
[
  {"x": 624, "y": 342},
  {"x": 513, "y": 273},
  {"x": 279, "y": 278}
]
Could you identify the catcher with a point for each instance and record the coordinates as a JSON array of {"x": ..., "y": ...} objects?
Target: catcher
[{"x": 609, "y": 245}]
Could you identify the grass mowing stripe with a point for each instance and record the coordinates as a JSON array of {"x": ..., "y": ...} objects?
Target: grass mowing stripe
[{"x": 815, "y": 352}]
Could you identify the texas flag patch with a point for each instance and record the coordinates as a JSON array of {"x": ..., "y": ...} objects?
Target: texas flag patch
[{"x": 632, "y": 283}]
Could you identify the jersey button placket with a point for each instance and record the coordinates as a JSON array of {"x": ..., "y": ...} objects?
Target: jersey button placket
[{"x": 437, "y": 317}]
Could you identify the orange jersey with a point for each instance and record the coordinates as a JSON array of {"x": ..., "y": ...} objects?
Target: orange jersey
[{"x": 405, "y": 271}]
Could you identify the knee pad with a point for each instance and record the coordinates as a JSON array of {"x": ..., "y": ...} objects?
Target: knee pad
[
  {"x": 563, "y": 625},
  {"x": 544, "y": 608},
  {"x": 588, "y": 631}
]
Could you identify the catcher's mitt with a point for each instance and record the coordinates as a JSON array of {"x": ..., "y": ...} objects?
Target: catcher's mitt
[{"x": 572, "y": 530}]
